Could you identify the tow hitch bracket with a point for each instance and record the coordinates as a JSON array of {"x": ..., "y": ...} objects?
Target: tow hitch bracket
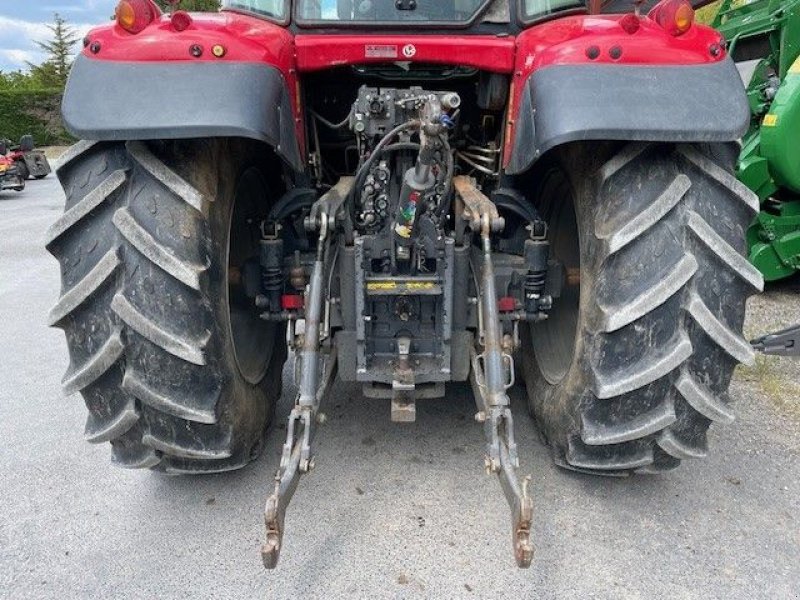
[
  {"x": 492, "y": 374},
  {"x": 781, "y": 343},
  {"x": 297, "y": 456}
]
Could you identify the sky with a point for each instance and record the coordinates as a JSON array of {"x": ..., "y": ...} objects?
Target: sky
[{"x": 23, "y": 22}]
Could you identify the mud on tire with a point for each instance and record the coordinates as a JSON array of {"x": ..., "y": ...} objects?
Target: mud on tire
[
  {"x": 654, "y": 330},
  {"x": 150, "y": 318}
]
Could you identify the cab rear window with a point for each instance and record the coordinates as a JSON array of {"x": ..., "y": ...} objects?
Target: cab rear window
[
  {"x": 536, "y": 9},
  {"x": 273, "y": 9},
  {"x": 334, "y": 12}
]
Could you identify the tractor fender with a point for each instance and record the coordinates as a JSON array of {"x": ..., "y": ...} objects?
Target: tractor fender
[
  {"x": 586, "y": 77},
  {"x": 656, "y": 103},
  {"x": 110, "y": 100}
]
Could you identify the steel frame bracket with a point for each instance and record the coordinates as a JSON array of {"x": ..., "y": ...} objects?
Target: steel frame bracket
[
  {"x": 781, "y": 343},
  {"x": 297, "y": 456},
  {"x": 492, "y": 374}
]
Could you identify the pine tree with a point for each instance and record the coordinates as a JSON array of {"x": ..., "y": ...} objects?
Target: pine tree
[
  {"x": 54, "y": 70},
  {"x": 196, "y": 5}
]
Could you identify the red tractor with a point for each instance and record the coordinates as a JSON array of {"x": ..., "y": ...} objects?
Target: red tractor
[
  {"x": 404, "y": 194},
  {"x": 10, "y": 177},
  {"x": 31, "y": 163}
]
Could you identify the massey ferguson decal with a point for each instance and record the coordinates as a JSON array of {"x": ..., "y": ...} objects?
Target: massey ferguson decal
[{"x": 381, "y": 51}]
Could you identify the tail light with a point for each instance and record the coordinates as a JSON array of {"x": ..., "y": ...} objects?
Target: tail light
[
  {"x": 181, "y": 20},
  {"x": 134, "y": 15},
  {"x": 675, "y": 16},
  {"x": 630, "y": 23}
]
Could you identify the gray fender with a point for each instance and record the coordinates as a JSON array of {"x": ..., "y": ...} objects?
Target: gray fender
[
  {"x": 567, "y": 103},
  {"x": 110, "y": 100}
]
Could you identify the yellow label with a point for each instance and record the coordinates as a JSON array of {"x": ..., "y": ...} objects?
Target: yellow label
[
  {"x": 392, "y": 286},
  {"x": 377, "y": 286},
  {"x": 770, "y": 120},
  {"x": 420, "y": 285},
  {"x": 795, "y": 68}
]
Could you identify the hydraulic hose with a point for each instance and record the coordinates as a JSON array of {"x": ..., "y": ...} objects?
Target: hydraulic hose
[{"x": 379, "y": 148}]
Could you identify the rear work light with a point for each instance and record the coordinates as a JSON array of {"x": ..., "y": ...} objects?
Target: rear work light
[
  {"x": 675, "y": 16},
  {"x": 181, "y": 20},
  {"x": 134, "y": 15}
]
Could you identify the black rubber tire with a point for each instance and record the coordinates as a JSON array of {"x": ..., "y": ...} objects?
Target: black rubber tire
[
  {"x": 22, "y": 169},
  {"x": 656, "y": 333},
  {"x": 147, "y": 309}
]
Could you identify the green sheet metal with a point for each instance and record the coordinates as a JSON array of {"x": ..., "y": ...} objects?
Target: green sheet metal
[{"x": 768, "y": 32}]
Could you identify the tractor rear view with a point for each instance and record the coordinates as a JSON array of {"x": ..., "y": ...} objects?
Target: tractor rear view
[{"x": 411, "y": 194}]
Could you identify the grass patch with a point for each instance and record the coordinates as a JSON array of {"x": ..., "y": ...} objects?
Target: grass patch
[{"x": 767, "y": 375}]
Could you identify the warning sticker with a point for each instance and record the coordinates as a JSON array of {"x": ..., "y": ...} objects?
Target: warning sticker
[
  {"x": 770, "y": 120},
  {"x": 403, "y": 288},
  {"x": 381, "y": 286},
  {"x": 380, "y": 51},
  {"x": 421, "y": 285}
]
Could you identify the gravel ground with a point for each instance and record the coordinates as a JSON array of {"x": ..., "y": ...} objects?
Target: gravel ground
[
  {"x": 53, "y": 152},
  {"x": 391, "y": 511}
]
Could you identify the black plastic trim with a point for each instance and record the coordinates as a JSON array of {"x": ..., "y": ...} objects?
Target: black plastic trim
[
  {"x": 109, "y": 100},
  {"x": 684, "y": 103}
]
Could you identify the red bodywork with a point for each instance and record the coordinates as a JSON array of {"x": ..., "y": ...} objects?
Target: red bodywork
[
  {"x": 490, "y": 53},
  {"x": 8, "y": 162},
  {"x": 16, "y": 155},
  {"x": 579, "y": 39}
]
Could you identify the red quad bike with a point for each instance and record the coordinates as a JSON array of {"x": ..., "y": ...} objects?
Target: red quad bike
[
  {"x": 30, "y": 163},
  {"x": 442, "y": 191},
  {"x": 10, "y": 177}
]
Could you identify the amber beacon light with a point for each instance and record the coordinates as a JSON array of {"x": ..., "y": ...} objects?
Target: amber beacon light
[
  {"x": 134, "y": 15},
  {"x": 675, "y": 16}
]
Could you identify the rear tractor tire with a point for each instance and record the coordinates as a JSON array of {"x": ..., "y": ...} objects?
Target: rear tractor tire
[
  {"x": 635, "y": 361},
  {"x": 177, "y": 371},
  {"x": 22, "y": 169}
]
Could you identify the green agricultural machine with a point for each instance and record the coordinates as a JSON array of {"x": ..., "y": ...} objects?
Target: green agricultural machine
[{"x": 764, "y": 40}]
